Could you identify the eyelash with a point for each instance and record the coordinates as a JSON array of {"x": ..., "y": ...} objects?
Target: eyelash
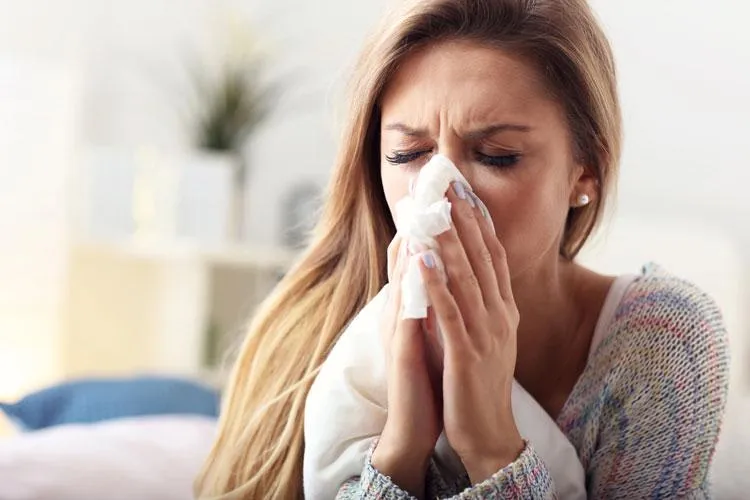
[
  {"x": 400, "y": 157},
  {"x": 502, "y": 161}
]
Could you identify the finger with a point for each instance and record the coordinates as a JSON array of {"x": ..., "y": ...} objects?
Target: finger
[
  {"x": 406, "y": 345},
  {"x": 499, "y": 260},
  {"x": 445, "y": 307},
  {"x": 393, "y": 249},
  {"x": 462, "y": 282},
  {"x": 467, "y": 218},
  {"x": 434, "y": 355},
  {"x": 434, "y": 342},
  {"x": 397, "y": 260}
]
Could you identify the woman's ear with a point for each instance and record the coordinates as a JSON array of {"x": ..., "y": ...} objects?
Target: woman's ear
[{"x": 584, "y": 187}]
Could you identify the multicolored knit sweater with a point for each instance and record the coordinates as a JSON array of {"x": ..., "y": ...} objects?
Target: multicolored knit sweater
[{"x": 644, "y": 416}]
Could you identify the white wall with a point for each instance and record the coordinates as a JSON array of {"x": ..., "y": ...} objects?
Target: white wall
[
  {"x": 685, "y": 79},
  {"x": 683, "y": 74},
  {"x": 317, "y": 41},
  {"x": 76, "y": 74},
  {"x": 37, "y": 103},
  {"x": 683, "y": 68},
  {"x": 132, "y": 56}
]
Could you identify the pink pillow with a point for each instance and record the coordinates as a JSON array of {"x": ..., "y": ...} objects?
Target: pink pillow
[{"x": 126, "y": 459}]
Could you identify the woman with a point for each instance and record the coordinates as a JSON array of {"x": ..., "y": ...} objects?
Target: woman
[{"x": 521, "y": 95}]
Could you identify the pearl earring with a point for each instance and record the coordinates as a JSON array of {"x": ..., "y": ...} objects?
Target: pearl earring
[{"x": 583, "y": 200}]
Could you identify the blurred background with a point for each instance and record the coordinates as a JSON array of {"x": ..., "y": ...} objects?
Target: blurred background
[{"x": 160, "y": 161}]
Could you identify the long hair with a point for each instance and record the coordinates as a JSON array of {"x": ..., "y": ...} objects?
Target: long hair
[{"x": 260, "y": 443}]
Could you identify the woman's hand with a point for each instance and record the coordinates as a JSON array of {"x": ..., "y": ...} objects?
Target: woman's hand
[
  {"x": 414, "y": 423},
  {"x": 478, "y": 319}
]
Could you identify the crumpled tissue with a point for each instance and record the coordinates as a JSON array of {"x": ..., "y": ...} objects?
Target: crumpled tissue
[{"x": 420, "y": 217}]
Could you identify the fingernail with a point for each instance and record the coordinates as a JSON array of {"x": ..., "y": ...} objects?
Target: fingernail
[
  {"x": 428, "y": 260},
  {"x": 479, "y": 204},
  {"x": 460, "y": 190},
  {"x": 471, "y": 198}
]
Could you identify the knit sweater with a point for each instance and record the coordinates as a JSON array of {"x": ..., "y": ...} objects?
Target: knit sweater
[{"x": 644, "y": 416}]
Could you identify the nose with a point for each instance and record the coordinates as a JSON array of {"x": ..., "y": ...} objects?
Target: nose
[{"x": 455, "y": 151}]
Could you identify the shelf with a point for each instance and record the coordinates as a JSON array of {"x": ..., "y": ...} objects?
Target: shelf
[{"x": 257, "y": 256}]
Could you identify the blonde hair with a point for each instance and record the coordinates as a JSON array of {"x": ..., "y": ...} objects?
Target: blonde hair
[{"x": 260, "y": 442}]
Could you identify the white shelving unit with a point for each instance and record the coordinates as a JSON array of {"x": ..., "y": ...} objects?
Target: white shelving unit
[
  {"x": 147, "y": 307},
  {"x": 74, "y": 305}
]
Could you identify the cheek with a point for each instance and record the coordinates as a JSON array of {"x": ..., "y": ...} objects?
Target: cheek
[
  {"x": 546, "y": 206},
  {"x": 528, "y": 218}
]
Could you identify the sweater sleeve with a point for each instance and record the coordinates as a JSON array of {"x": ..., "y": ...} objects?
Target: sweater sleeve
[
  {"x": 526, "y": 478},
  {"x": 663, "y": 400}
]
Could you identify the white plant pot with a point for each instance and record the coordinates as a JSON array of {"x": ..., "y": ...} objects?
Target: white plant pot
[
  {"x": 204, "y": 198},
  {"x": 158, "y": 197},
  {"x": 128, "y": 194}
]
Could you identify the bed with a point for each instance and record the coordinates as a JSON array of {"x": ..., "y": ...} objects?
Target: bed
[{"x": 157, "y": 458}]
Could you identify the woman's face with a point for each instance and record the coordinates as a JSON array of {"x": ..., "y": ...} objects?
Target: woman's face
[{"x": 487, "y": 111}]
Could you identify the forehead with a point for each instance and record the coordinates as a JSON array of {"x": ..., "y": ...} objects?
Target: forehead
[{"x": 466, "y": 82}]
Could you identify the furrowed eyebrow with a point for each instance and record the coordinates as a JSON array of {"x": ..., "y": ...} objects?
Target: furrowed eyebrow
[
  {"x": 406, "y": 130},
  {"x": 495, "y": 129},
  {"x": 473, "y": 135}
]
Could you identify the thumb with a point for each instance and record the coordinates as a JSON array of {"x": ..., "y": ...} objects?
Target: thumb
[{"x": 407, "y": 345}]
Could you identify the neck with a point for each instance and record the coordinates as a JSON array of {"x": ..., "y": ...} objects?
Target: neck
[
  {"x": 559, "y": 306},
  {"x": 547, "y": 301}
]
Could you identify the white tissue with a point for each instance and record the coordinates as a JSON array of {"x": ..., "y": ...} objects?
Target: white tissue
[{"x": 419, "y": 218}]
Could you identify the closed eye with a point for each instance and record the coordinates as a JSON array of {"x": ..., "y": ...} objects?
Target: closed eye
[
  {"x": 401, "y": 157},
  {"x": 498, "y": 161},
  {"x": 501, "y": 161}
]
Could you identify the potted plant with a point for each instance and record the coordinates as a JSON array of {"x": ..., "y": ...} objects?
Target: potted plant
[{"x": 231, "y": 99}]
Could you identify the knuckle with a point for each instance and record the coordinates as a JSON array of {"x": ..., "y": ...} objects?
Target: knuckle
[
  {"x": 447, "y": 238},
  {"x": 486, "y": 256},
  {"x": 471, "y": 279},
  {"x": 432, "y": 280},
  {"x": 500, "y": 335},
  {"x": 452, "y": 316},
  {"x": 465, "y": 211},
  {"x": 465, "y": 358},
  {"x": 453, "y": 274},
  {"x": 497, "y": 249},
  {"x": 514, "y": 315},
  {"x": 466, "y": 277}
]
